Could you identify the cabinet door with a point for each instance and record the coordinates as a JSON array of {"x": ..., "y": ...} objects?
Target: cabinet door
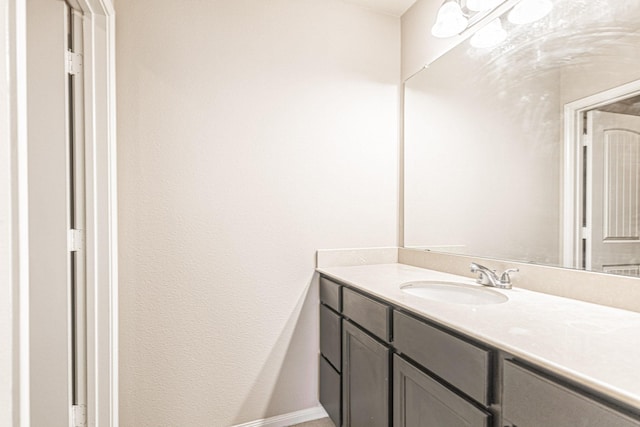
[
  {"x": 421, "y": 401},
  {"x": 533, "y": 400},
  {"x": 365, "y": 379}
]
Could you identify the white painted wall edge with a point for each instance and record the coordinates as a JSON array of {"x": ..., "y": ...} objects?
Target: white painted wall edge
[
  {"x": 7, "y": 269},
  {"x": 362, "y": 256},
  {"x": 23, "y": 407},
  {"x": 17, "y": 50},
  {"x": 9, "y": 215},
  {"x": 288, "y": 419}
]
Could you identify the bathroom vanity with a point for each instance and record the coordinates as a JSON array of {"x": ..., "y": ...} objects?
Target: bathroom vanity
[{"x": 389, "y": 357}]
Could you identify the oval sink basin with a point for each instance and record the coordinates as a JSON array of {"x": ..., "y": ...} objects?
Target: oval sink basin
[{"x": 453, "y": 292}]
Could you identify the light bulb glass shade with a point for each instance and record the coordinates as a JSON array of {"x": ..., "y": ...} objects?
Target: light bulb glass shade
[
  {"x": 528, "y": 11},
  {"x": 450, "y": 20},
  {"x": 482, "y": 5},
  {"x": 489, "y": 36}
]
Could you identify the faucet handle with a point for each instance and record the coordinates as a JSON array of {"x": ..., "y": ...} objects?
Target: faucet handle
[{"x": 505, "y": 278}]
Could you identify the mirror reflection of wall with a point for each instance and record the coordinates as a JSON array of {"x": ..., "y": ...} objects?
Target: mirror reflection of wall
[{"x": 484, "y": 131}]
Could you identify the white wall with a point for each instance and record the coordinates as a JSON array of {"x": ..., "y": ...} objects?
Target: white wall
[{"x": 251, "y": 133}]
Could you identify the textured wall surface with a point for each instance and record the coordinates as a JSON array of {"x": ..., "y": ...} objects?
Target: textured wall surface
[{"x": 250, "y": 133}]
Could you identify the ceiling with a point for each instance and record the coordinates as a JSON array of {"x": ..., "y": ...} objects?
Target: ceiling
[
  {"x": 630, "y": 106},
  {"x": 390, "y": 7}
]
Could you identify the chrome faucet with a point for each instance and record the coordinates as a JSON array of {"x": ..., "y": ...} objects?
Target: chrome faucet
[{"x": 490, "y": 278}]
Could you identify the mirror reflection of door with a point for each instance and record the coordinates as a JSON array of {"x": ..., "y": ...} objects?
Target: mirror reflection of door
[{"x": 612, "y": 205}]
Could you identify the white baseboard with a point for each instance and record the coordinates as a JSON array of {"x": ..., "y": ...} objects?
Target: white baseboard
[{"x": 288, "y": 419}]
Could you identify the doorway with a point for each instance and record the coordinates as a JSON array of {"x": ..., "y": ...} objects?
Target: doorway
[
  {"x": 64, "y": 236},
  {"x": 612, "y": 188},
  {"x": 602, "y": 182}
]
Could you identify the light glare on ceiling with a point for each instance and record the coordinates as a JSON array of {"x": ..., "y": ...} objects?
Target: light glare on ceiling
[
  {"x": 489, "y": 36},
  {"x": 482, "y": 5},
  {"x": 528, "y": 11},
  {"x": 452, "y": 19}
]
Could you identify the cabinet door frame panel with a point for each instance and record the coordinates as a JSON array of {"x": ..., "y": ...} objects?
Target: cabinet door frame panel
[
  {"x": 465, "y": 410},
  {"x": 351, "y": 332}
]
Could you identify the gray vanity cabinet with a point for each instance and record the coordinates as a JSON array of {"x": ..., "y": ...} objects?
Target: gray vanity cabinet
[
  {"x": 365, "y": 379},
  {"x": 331, "y": 337},
  {"x": 330, "y": 361},
  {"x": 371, "y": 315},
  {"x": 366, "y": 361},
  {"x": 460, "y": 363},
  {"x": 330, "y": 391},
  {"x": 386, "y": 366},
  {"x": 421, "y": 401},
  {"x": 534, "y": 400}
]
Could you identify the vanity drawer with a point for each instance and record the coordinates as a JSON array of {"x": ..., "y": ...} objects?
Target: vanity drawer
[
  {"x": 461, "y": 364},
  {"x": 330, "y": 391},
  {"x": 330, "y": 336},
  {"x": 531, "y": 400},
  {"x": 372, "y": 315},
  {"x": 330, "y": 294}
]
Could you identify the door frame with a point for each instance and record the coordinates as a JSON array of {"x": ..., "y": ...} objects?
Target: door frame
[
  {"x": 573, "y": 167},
  {"x": 101, "y": 201}
]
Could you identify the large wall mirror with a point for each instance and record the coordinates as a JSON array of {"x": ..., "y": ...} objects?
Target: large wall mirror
[{"x": 530, "y": 150}]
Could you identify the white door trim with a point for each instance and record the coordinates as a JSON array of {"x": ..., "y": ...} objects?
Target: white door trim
[
  {"x": 102, "y": 267},
  {"x": 572, "y": 172},
  {"x": 101, "y": 212}
]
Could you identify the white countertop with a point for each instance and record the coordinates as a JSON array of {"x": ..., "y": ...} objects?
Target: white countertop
[{"x": 594, "y": 345}]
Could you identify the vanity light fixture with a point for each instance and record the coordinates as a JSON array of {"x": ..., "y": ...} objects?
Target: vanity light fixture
[
  {"x": 456, "y": 16},
  {"x": 489, "y": 36},
  {"x": 528, "y": 11},
  {"x": 450, "y": 20}
]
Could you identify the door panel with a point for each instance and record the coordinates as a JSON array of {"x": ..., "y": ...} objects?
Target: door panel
[
  {"x": 613, "y": 204},
  {"x": 48, "y": 214}
]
